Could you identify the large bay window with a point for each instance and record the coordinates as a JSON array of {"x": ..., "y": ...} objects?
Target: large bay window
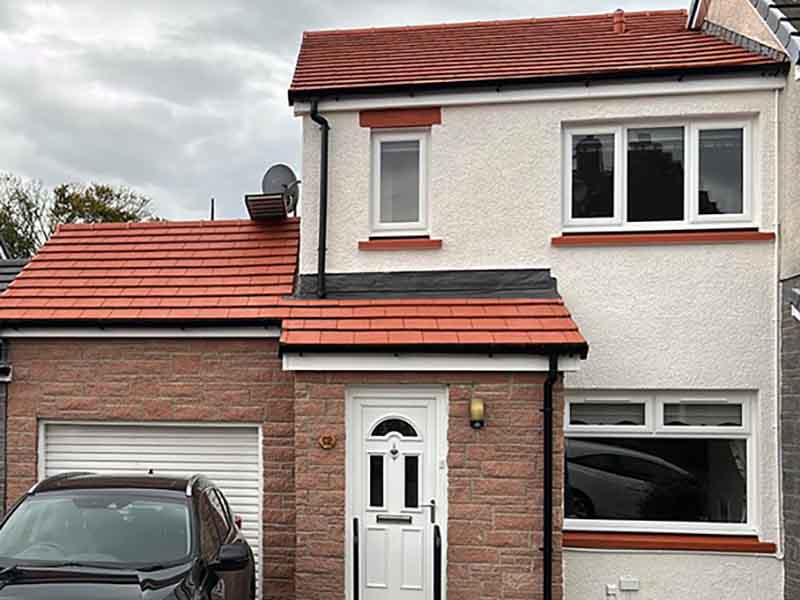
[
  {"x": 688, "y": 175},
  {"x": 660, "y": 462}
]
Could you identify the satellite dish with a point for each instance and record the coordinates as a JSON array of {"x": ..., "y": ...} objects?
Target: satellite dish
[{"x": 280, "y": 180}]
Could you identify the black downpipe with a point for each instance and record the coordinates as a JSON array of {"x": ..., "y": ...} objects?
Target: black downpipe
[
  {"x": 323, "y": 197},
  {"x": 547, "y": 555}
]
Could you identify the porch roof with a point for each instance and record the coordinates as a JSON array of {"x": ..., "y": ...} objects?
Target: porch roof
[{"x": 537, "y": 325}]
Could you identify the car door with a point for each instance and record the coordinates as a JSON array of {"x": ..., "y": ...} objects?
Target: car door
[
  {"x": 238, "y": 584},
  {"x": 211, "y": 537}
]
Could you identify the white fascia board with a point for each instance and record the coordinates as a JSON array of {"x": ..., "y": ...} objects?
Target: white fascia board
[
  {"x": 339, "y": 361},
  {"x": 574, "y": 91},
  {"x": 140, "y": 332},
  {"x": 795, "y": 313}
]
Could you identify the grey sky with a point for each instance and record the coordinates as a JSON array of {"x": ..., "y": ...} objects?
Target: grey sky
[{"x": 185, "y": 99}]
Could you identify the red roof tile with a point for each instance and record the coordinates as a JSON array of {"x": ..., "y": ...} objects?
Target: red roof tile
[
  {"x": 329, "y": 324},
  {"x": 525, "y": 49},
  {"x": 160, "y": 271}
]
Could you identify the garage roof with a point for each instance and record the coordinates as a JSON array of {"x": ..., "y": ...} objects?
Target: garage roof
[
  {"x": 160, "y": 271},
  {"x": 523, "y": 50}
]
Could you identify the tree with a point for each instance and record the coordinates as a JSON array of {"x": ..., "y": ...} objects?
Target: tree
[{"x": 30, "y": 212}]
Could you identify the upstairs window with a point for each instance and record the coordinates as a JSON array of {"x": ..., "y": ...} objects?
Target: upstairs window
[
  {"x": 665, "y": 176},
  {"x": 399, "y": 183}
]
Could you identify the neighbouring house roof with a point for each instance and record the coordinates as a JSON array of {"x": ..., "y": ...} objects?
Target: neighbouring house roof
[
  {"x": 782, "y": 17},
  {"x": 526, "y": 324},
  {"x": 162, "y": 271},
  {"x": 9, "y": 269},
  {"x": 524, "y": 50}
]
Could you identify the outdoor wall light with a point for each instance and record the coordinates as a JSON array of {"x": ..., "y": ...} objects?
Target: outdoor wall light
[{"x": 477, "y": 413}]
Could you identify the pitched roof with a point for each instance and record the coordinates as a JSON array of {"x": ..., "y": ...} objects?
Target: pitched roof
[
  {"x": 157, "y": 271},
  {"x": 524, "y": 50},
  {"x": 529, "y": 324},
  {"x": 170, "y": 272}
]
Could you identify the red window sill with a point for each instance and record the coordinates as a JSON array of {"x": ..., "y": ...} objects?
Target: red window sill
[
  {"x": 411, "y": 243},
  {"x": 673, "y": 237},
  {"x": 649, "y": 541}
]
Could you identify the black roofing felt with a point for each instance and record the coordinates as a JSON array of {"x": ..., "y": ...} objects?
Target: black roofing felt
[
  {"x": 9, "y": 269},
  {"x": 483, "y": 283}
]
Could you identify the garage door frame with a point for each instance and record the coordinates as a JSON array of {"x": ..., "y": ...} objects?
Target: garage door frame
[{"x": 41, "y": 462}]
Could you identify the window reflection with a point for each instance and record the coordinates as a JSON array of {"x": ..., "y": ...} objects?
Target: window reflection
[{"x": 690, "y": 480}]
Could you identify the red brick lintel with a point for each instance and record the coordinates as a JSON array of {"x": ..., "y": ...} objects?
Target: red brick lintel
[
  {"x": 666, "y": 541},
  {"x": 400, "y": 117}
]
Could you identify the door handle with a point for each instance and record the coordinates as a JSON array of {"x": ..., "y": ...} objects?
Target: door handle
[{"x": 432, "y": 506}]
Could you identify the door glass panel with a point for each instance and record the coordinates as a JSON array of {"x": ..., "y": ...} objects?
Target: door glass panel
[
  {"x": 655, "y": 174},
  {"x": 394, "y": 426},
  {"x": 376, "y": 481},
  {"x": 412, "y": 481}
]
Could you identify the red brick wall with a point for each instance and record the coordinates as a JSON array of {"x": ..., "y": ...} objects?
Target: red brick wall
[
  {"x": 164, "y": 380},
  {"x": 495, "y": 484}
]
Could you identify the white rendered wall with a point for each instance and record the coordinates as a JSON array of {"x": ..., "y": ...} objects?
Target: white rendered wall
[
  {"x": 673, "y": 576},
  {"x": 656, "y": 317}
]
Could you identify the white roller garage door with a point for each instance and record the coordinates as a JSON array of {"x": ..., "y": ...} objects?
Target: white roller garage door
[{"x": 229, "y": 456}]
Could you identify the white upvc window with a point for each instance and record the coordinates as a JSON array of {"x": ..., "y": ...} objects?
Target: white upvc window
[
  {"x": 660, "y": 462},
  {"x": 399, "y": 194},
  {"x": 662, "y": 175}
]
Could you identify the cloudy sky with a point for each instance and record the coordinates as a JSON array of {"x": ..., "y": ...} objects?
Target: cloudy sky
[{"x": 183, "y": 99}]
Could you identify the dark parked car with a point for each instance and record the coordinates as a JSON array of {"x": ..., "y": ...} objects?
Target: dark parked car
[{"x": 96, "y": 537}]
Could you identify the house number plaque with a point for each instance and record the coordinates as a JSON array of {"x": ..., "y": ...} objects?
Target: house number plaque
[{"x": 327, "y": 441}]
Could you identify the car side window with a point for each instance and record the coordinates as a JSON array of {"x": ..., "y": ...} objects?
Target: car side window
[
  {"x": 221, "y": 517},
  {"x": 210, "y": 536},
  {"x": 228, "y": 513}
]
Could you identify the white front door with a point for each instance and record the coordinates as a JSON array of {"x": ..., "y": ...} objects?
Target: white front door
[{"x": 394, "y": 495}]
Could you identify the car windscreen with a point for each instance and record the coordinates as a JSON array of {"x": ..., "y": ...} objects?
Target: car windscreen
[{"x": 112, "y": 528}]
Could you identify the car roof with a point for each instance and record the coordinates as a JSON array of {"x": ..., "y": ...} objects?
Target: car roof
[{"x": 93, "y": 481}]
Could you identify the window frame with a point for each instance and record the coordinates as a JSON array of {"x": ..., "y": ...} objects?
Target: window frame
[
  {"x": 747, "y": 172},
  {"x": 411, "y": 228},
  {"x": 654, "y": 427},
  {"x": 691, "y": 217}
]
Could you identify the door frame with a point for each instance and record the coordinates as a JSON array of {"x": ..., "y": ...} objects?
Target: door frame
[{"x": 439, "y": 395}]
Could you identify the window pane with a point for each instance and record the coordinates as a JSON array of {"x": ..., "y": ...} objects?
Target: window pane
[
  {"x": 399, "y": 182},
  {"x": 376, "y": 481},
  {"x": 394, "y": 426},
  {"x": 721, "y": 171},
  {"x": 606, "y": 414},
  {"x": 592, "y": 176},
  {"x": 412, "y": 481},
  {"x": 688, "y": 480},
  {"x": 655, "y": 174},
  {"x": 710, "y": 415}
]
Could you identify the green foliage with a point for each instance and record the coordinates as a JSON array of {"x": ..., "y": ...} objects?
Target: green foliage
[{"x": 29, "y": 212}]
